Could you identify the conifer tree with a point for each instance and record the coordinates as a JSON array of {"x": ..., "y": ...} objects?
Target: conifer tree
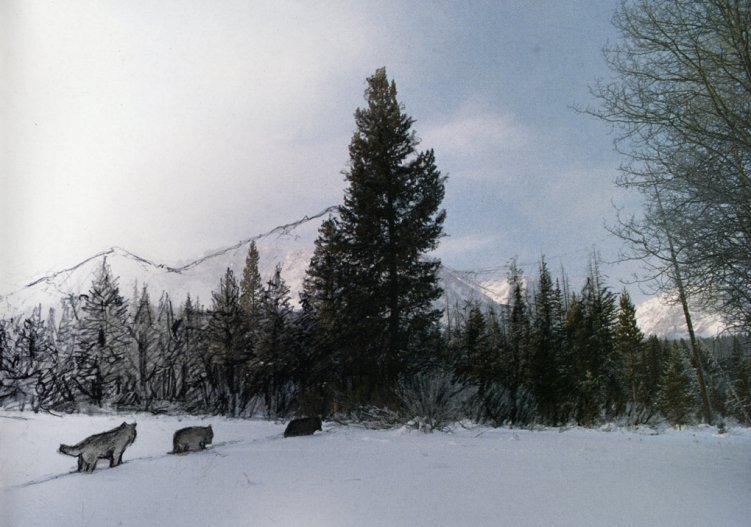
[
  {"x": 104, "y": 339},
  {"x": 655, "y": 356},
  {"x": 546, "y": 340},
  {"x": 143, "y": 335},
  {"x": 251, "y": 286},
  {"x": 389, "y": 220},
  {"x": 515, "y": 370},
  {"x": 322, "y": 321},
  {"x": 595, "y": 371},
  {"x": 274, "y": 361},
  {"x": 628, "y": 345},
  {"x": 170, "y": 345},
  {"x": 251, "y": 291},
  {"x": 677, "y": 400},
  {"x": 195, "y": 366},
  {"x": 473, "y": 350},
  {"x": 68, "y": 340},
  {"x": 226, "y": 333}
]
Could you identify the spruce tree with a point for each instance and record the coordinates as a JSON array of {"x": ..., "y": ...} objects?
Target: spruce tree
[
  {"x": 68, "y": 341},
  {"x": 655, "y": 356},
  {"x": 170, "y": 346},
  {"x": 472, "y": 349},
  {"x": 104, "y": 339},
  {"x": 593, "y": 370},
  {"x": 677, "y": 401},
  {"x": 143, "y": 335},
  {"x": 251, "y": 290},
  {"x": 546, "y": 345},
  {"x": 274, "y": 361},
  {"x": 226, "y": 333},
  {"x": 628, "y": 346},
  {"x": 515, "y": 371},
  {"x": 389, "y": 221},
  {"x": 195, "y": 365},
  {"x": 324, "y": 334}
]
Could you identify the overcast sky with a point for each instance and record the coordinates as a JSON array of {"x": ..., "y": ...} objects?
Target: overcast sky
[{"x": 171, "y": 128}]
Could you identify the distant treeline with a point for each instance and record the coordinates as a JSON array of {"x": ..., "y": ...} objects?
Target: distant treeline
[{"x": 546, "y": 357}]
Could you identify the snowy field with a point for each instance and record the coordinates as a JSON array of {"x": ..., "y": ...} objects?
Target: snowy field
[{"x": 348, "y": 476}]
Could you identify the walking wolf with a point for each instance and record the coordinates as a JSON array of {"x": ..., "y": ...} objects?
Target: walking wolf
[
  {"x": 192, "y": 438},
  {"x": 107, "y": 445}
]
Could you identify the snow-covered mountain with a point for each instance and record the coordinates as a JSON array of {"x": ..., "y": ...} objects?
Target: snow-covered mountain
[
  {"x": 661, "y": 316},
  {"x": 290, "y": 246}
]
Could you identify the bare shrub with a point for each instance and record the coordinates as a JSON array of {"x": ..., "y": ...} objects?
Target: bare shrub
[{"x": 432, "y": 400}]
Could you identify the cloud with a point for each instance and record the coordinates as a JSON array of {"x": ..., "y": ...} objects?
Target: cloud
[
  {"x": 453, "y": 246},
  {"x": 475, "y": 133}
]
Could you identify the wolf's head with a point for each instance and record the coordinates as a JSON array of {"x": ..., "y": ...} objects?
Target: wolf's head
[{"x": 131, "y": 430}]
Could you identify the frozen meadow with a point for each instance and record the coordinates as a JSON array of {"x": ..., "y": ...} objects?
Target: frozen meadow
[{"x": 350, "y": 476}]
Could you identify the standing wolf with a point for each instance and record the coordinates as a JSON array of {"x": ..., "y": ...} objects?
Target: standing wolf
[
  {"x": 192, "y": 438},
  {"x": 107, "y": 445}
]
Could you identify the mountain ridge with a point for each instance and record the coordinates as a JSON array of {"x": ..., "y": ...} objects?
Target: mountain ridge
[{"x": 290, "y": 246}]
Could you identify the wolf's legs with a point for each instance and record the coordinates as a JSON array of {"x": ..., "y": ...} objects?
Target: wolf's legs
[{"x": 89, "y": 462}]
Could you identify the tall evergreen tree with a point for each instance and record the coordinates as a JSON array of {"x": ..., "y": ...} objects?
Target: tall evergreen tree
[
  {"x": 104, "y": 339},
  {"x": 251, "y": 292},
  {"x": 655, "y": 355},
  {"x": 596, "y": 372},
  {"x": 546, "y": 341},
  {"x": 143, "y": 334},
  {"x": 322, "y": 323},
  {"x": 226, "y": 333},
  {"x": 628, "y": 344},
  {"x": 68, "y": 340},
  {"x": 170, "y": 345},
  {"x": 516, "y": 360},
  {"x": 195, "y": 365},
  {"x": 274, "y": 361},
  {"x": 472, "y": 350},
  {"x": 389, "y": 220},
  {"x": 678, "y": 402}
]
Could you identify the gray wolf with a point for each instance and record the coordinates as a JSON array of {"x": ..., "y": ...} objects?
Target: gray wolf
[
  {"x": 107, "y": 445},
  {"x": 192, "y": 438}
]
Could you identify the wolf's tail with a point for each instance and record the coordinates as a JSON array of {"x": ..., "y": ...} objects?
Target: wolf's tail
[{"x": 69, "y": 450}]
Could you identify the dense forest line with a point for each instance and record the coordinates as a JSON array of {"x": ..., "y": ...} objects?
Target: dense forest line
[{"x": 547, "y": 357}]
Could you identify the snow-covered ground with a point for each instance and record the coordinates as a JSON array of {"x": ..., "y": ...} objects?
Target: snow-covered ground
[{"x": 348, "y": 476}]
